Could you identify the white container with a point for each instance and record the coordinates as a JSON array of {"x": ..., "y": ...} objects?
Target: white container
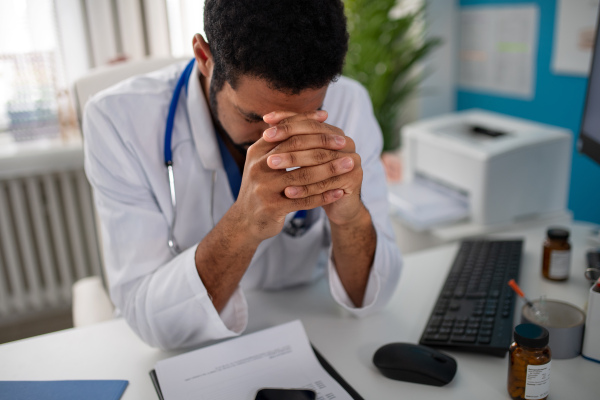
[
  {"x": 591, "y": 339},
  {"x": 563, "y": 321}
]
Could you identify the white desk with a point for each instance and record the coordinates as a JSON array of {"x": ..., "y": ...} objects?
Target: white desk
[{"x": 112, "y": 351}]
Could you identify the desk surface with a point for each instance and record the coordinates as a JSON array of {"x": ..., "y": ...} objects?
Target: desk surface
[{"x": 112, "y": 351}]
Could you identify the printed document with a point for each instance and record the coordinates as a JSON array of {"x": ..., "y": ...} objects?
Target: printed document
[
  {"x": 498, "y": 49},
  {"x": 278, "y": 357}
]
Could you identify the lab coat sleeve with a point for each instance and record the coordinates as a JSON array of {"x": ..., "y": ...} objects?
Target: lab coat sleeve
[
  {"x": 161, "y": 297},
  {"x": 387, "y": 264}
]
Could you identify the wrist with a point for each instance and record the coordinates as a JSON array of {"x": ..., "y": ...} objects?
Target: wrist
[
  {"x": 240, "y": 228},
  {"x": 362, "y": 218}
]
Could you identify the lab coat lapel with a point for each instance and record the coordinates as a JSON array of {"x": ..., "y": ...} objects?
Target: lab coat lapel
[{"x": 203, "y": 130}]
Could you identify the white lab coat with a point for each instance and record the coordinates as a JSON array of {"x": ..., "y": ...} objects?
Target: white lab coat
[{"x": 162, "y": 297}]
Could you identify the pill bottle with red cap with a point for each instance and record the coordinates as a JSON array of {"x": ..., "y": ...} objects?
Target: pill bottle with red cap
[
  {"x": 556, "y": 261},
  {"x": 529, "y": 360}
]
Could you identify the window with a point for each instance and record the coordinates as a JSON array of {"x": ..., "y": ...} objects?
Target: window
[
  {"x": 30, "y": 70},
  {"x": 186, "y": 18}
]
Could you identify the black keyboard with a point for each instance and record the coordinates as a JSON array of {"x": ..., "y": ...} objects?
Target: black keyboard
[{"x": 474, "y": 311}]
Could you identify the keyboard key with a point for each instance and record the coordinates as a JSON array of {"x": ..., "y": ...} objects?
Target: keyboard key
[
  {"x": 462, "y": 339},
  {"x": 476, "y": 295},
  {"x": 485, "y": 339},
  {"x": 437, "y": 338}
]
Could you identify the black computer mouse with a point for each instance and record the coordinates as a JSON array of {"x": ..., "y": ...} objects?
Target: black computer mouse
[{"x": 415, "y": 363}]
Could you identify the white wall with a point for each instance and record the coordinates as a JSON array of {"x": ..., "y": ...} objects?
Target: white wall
[{"x": 438, "y": 89}]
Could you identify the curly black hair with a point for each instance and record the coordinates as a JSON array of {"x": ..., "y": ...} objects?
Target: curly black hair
[{"x": 291, "y": 44}]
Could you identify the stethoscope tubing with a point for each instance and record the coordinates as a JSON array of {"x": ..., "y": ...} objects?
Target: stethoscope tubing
[{"x": 168, "y": 153}]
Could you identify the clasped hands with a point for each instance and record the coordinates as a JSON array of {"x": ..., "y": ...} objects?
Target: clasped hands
[{"x": 330, "y": 173}]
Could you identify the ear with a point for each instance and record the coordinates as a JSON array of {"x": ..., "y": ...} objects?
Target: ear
[{"x": 203, "y": 56}]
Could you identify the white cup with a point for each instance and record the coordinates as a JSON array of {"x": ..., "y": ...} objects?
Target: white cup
[{"x": 564, "y": 322}]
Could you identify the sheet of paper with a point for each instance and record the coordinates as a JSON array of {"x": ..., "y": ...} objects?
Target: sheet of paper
[
  {"x": 424, "y": 205},
  {"x": 498, "y": 49},
  {"x": 278, "y": 357},
  {"x": 574, "y": 33}
]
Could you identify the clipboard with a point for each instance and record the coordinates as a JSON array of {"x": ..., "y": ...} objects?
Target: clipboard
[{"x": 324, "y": 363}]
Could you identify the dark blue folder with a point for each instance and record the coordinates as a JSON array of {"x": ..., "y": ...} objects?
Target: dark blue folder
[{"x": 62, "y": 390}]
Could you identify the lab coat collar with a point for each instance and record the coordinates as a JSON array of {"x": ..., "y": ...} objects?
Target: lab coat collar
[{"x": 203, "y": 130}]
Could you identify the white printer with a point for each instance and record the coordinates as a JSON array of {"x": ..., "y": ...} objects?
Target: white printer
[{"x": 490, "y": 168}]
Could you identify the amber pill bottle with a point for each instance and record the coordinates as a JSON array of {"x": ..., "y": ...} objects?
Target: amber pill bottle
[
  {"x": 556, "y": 260},
  {"x": 529, "y": 363}
]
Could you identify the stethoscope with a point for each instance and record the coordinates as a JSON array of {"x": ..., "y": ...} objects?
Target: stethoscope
[{"x": 297, "y": 224}]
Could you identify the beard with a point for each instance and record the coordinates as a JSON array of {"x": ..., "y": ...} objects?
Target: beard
[{"x": 241, "y": 148}]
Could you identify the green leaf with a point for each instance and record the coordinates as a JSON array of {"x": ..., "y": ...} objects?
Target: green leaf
[{"x": 382, "y": 54}]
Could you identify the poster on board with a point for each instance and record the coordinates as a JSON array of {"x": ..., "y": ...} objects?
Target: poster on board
[
  {"x": 574, "y": 32},
  {"x": 498, "y": 49}
]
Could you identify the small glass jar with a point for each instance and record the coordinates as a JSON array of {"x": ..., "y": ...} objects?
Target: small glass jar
[
  {"x": 556, "y": 261},
  {"x": 529, "y": 363}
]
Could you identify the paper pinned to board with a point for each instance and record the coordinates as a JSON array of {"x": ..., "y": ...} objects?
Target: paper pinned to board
[
  {"x": 423, "y": 204},
  {"x": 498, "y": 49},
  {"x": 574, "y": 33},
  {"x": 278, "y": 357}
]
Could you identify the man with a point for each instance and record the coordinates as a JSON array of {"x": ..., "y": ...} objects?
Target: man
[{"x": 253, "y": 108}]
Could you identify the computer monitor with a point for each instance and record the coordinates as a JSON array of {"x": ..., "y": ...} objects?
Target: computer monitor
[{"x": 589, "y": 135}]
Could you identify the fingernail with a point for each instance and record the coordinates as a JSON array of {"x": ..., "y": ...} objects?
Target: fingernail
[
  {"x": 337, "y": 193},
  {"x": 339, "y": 140},
  {"x": 292, "y": 191},
  {"x": 269, "y": 115},
  {"x": 271, "y": 132},
  {"x": 321, "y": 113},
  {"x": 275, "y": 160},
  {"x": 347, "y": 163}
]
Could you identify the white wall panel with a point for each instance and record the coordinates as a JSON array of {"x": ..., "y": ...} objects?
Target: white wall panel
[
  {"x": 131, "y": 27},
  {"x": 157, "y": 28},
  {"x": 438, "y": 89},
  {"x": 100, "y": 19}
]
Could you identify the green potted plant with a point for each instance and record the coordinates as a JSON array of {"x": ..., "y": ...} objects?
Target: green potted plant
[{"x": 383, "y": 51}]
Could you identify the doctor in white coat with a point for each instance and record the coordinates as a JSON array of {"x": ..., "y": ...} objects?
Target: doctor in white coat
[{"x": 195, "y": 178}]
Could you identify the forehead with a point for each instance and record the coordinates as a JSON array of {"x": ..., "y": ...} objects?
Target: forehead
[{"x": 254, "y": 95}]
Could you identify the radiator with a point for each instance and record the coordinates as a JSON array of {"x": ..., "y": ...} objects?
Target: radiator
[{"x": 47, "y": 237}]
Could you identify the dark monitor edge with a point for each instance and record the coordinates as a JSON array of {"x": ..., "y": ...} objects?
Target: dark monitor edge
[{"x": 587, "y": 144}]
